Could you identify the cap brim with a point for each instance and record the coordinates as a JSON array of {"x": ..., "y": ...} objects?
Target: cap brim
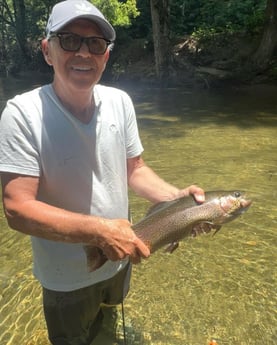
[{"x": 105, "y": 27}]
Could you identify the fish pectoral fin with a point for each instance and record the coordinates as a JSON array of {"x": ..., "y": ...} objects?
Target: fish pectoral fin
[
  {"x": 204, "y": 228},
  {"x": 171, "y": 247},
  {"x": 216, "y": 228},
  {"x": 211, "y": 226},
  {"x": 95, "y": 257}
]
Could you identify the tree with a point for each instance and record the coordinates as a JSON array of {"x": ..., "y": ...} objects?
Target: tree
[
  {"x": 15, "y": 16},
  {"x": 264, "y": 53},
  {"x": 22, "y": 23},
  {"x": 160, "y": 25}
]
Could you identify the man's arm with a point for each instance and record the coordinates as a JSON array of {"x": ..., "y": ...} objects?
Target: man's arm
[
  {"x": 30, "y": 216},
  {"x": 147, "y": 184}
]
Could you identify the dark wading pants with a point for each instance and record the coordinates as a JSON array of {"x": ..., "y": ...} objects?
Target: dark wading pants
[{"x": 75, "y": 317}]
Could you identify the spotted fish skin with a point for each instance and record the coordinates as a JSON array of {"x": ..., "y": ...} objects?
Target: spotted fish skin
[{"x": 169, "y": 222}]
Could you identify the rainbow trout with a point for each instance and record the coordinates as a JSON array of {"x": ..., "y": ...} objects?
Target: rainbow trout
[{"x": 168, "y": 222}]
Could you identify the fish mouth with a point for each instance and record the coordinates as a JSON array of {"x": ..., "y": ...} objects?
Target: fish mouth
[{"x": 245, "y": 204}]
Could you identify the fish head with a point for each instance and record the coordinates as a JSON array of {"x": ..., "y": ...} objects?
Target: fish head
[{"x": 234, "y": 204}]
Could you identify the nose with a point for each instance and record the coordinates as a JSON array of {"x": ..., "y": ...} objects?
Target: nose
[{"x": 83, "y": 51}]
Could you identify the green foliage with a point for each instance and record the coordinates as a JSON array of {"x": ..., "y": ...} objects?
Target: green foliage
[
  {"x": 216, "y": 15},
  {"x": 184, "y": 16},
  {"x": 119, "y": 13},
  {"x": 273, "y": 73},
  {"x": 232, "y": 15},
  {"x": 21, "y": 32},
  {"x": 132, "y": 20}
]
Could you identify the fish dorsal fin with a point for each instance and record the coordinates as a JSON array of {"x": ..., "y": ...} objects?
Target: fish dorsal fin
[{"x": 159, "y": 207}]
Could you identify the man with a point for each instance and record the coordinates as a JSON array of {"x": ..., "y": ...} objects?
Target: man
[{"x": 69, "y": 151}]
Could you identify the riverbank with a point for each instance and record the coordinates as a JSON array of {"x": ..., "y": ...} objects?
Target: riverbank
[
  {"x": 217, "y": 61},
  {"x": 213, "y": 62}
]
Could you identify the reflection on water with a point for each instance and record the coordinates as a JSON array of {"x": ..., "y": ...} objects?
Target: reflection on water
[{"x": 219, "y": 287}]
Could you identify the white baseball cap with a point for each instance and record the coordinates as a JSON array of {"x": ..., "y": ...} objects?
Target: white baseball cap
[{"x": 66, "y": 11}]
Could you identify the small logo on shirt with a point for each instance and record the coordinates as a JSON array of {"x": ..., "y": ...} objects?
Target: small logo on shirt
[{"x": 113, "y": 128}]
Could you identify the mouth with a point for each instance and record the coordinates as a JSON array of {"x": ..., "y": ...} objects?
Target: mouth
[
  {"x": 81, "y": 68},
  {"x": 245, "y": 203}
]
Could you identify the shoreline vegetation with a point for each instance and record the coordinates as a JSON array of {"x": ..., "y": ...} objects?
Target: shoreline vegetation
[
  {"x": 177, "y": 43},
  {"x": 217, "y": 62}
]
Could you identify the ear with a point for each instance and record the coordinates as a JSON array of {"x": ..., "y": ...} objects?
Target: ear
[
  {"x": 45, "y": 51},
  {"x": 107, "y": 55}
]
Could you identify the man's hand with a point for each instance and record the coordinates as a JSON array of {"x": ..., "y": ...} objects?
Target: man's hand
[
  {"x": 119, "y": 241},
  {"x": 197, "y": 192}
]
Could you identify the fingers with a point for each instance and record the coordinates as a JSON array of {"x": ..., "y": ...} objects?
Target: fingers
[
  {"x": 197, "y": 192},
  {"x": 121, "y": 242},
  {"x": 136, "y": 254},
  {"x": 142, "y": 249}
]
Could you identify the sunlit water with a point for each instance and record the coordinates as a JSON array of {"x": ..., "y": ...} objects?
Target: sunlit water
[{"x": 220, "y": 287}]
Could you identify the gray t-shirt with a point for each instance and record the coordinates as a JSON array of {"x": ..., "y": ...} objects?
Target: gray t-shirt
[{"x": 82, "y": 168}]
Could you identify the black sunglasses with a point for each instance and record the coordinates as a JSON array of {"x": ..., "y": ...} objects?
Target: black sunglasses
[{"x": 72, "y": 42}]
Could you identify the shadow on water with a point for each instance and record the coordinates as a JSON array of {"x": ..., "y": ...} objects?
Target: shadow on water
[
  {"x": 11, "y": 86},
  {"x": 219, "y": 287},
  {"x": 241, "y": 107}
]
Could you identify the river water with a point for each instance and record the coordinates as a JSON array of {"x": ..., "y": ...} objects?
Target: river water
[{"x": 220, "y": 287}]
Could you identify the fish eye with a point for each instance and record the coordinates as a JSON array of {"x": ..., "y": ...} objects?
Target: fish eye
[{"x": 237, "y": 194}]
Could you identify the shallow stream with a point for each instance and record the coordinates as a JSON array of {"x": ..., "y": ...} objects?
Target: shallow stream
[{"x": 221, "y": 287}]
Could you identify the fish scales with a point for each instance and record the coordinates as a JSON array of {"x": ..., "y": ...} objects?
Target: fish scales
[
  {"x": 171, "y": 221},
  {"x": 161, "y": 228}
]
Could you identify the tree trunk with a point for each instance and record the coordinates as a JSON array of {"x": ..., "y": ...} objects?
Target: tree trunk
[
  {"x": 160, "y": 27},
  {"x": 13, "y": 14},
  {"x": 264, "y": 53},
  {"x": 20, "y": 27}
]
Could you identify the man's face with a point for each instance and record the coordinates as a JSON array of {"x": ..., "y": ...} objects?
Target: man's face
[{"x": 78, "y": 70}]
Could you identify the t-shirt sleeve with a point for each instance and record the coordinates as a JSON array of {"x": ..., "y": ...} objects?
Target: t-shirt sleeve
[
  {"x": 18, "y": 149},
  {"x": 133, "y": 143}
]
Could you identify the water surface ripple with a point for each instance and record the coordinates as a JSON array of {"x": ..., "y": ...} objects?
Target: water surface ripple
[{"x": 219, "y": 287}]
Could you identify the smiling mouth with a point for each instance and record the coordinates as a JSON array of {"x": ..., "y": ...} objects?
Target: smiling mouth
[{"x": 82, "y": 68}]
